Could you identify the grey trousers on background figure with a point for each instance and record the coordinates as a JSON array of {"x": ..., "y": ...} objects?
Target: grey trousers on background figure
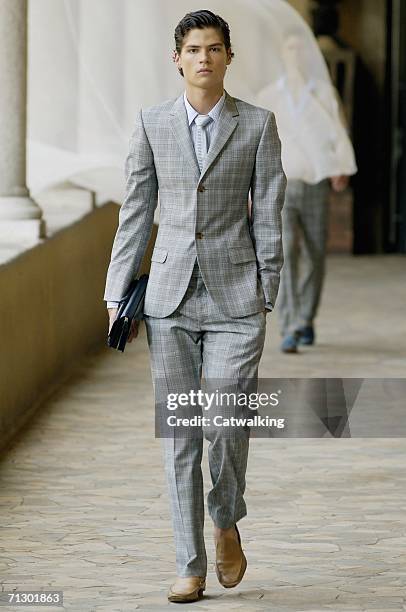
[
  {"x": 304, "y": 215},
  {"x": 199, "y": 340}
]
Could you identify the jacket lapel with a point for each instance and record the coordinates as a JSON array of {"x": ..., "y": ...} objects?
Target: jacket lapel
[
  {"x": 228, "y": 121},
  {"x": 180, "y": 127}
]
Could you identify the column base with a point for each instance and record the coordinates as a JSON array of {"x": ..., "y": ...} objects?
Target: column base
[
  {"x": 20, "y": 220},
  {"x": 22, "y": 231}
]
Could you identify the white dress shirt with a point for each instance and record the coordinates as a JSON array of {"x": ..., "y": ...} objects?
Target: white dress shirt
[
  {"x": 315, "y": 143},
  {"x": 211, "y": 128},
  {"x": 214, "y": 113}
]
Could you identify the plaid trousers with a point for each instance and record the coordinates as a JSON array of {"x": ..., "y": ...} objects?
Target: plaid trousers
[
  {"x": 305, "y": 217},
  {"x": 199, "y": 341}
]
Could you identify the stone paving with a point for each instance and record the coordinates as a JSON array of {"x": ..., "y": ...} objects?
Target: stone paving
[{"x": 83, "y": 497}]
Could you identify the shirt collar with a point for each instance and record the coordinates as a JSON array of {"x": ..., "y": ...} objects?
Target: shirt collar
[{"x": 214, "y": 113}]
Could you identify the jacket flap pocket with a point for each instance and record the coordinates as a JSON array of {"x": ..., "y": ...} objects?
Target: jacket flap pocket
[
  {"x": 241, "y": 254},
  {"x": 159, "y": 255}
]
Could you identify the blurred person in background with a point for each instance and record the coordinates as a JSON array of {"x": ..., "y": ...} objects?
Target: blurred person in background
[{"x": 317, "y": 155}]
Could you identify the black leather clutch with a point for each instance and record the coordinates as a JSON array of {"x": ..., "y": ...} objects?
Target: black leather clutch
[{"x": 131, "y": 307}]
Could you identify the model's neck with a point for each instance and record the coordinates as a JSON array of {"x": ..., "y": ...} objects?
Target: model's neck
[
  {"x": 295, "y": 81},
  {"x": 203, "y": 100}
]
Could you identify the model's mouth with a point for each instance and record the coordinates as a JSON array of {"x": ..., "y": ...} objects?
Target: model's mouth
[{"x": 204, "y": 70}]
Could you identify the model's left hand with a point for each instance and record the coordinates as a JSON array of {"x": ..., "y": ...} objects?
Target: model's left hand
[{"x": 339, "y": 183}]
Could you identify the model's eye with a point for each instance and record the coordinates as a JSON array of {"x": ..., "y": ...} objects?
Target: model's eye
[
  {"x": 192, "y": 50},
  {"x": 215, "y": 49}
]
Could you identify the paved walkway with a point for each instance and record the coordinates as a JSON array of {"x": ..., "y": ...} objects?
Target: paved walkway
[{"x": 83, "y": 498}]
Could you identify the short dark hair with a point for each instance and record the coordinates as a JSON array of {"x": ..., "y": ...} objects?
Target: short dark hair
[{"x": 201, "y": 19}]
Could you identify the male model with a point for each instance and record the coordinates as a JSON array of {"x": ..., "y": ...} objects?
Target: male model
[{"x": 214, "y": 274}]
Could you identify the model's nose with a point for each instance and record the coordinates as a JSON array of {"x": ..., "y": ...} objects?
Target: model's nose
[{"x": 205, "y": 57}]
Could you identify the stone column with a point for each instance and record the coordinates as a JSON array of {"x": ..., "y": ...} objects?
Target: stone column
[{"x": 20, "y": 216}]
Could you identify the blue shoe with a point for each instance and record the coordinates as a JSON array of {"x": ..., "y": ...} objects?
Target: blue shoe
[
  {"x": 289, "y": 344},
  {"x": 306, "y": 335}
]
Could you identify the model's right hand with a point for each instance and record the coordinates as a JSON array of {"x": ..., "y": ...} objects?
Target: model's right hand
[
  {"x": 134, "y": 326},
  {"x": 112, "y": 315},
  {"x": 339, "y": 183}
]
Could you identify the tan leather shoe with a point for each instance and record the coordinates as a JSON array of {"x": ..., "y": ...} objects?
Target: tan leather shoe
[
  {"x": 230, "y": 561},
  {"x": 187, "y": 588}
]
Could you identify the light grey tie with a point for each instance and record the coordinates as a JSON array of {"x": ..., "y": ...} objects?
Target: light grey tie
[{"x": 201, "y": 122}]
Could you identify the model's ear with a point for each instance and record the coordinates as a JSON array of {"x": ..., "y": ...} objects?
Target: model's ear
[
  {"x": 176, "y": 59},
  {"x": 229, "y": 58}
]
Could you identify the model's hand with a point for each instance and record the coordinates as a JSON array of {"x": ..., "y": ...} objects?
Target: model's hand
[
  {"x": 339, "y": 183},
  {"x": 134, "y": 325},
  {"x": 112, "y": 315},
  {"x": 133, "y": 330}
]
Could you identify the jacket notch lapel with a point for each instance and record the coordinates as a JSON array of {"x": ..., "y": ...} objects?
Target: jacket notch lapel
[
  {"x": 180, "y": 128},
  {"x": 228, "y": 121}
]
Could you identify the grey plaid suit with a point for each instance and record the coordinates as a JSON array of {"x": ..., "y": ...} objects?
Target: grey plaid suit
[
  {"x": 213, "y": 270},
  {"x": 239, "y": 262}
]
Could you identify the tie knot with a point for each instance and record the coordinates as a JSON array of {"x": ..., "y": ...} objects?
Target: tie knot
[{"x": 202, "y": 120}]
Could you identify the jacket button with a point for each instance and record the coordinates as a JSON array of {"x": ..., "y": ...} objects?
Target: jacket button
[
  {"x": 199, "y": 235},
  {"x": 201, "y": 188}
]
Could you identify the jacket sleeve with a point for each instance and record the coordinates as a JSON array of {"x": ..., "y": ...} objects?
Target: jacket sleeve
[
  {"x": 136, "y": 215},
  {"x": 268, "y": 186}
]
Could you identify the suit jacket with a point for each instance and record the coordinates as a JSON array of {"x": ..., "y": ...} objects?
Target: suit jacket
[{"x": 202, "y": 214}]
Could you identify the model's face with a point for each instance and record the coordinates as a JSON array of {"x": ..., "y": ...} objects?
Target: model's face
[
  {"x": 291, "y": 51},
  {"x": 203, "y": 58}
]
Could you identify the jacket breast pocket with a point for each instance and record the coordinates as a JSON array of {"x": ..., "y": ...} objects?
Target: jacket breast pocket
[
  {"x": 241, "y": 254},
  {"x": 159, "y": 255}
]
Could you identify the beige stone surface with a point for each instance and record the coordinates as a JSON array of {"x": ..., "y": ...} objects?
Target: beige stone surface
[{"x": 83, "y": 497}]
